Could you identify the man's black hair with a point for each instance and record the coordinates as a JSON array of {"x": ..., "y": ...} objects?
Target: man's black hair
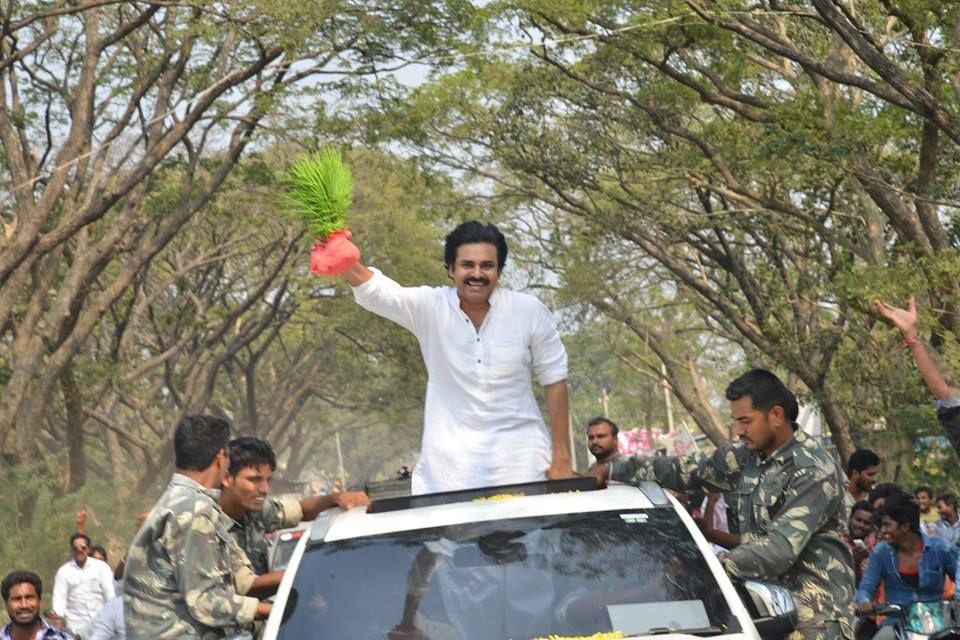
[
  {"x": 902, "y": 508},
  {"x": 198, "y": 440},
  {"x": 948, "y": 498},
  {"x": 473, "y": 232},
  {"x": 19, "y": 577},
  {"x": 884, "y": 490},
  {"x": 863, "y": 505},
  {"x": 99, "y": 548},
  {"x": 924, "y": 489},
  {"x": 79, "y": 535},
  {"x": 250, "y": 452},
  {"x": 766, "y": 391},
  {"x": 861, "y": 460},
  {"x": 601, "y": 420}
]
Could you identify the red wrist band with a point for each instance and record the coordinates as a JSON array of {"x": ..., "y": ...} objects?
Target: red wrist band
[{"x": 909, "y": 342}]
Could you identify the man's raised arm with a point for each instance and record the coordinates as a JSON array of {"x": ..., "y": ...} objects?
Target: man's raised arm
[
  {"x": 357, "y": 275},
  {"x": 339, "y": 256},
  {"x": 948, "y": 403},
  {"x": 906, "y": 321}
]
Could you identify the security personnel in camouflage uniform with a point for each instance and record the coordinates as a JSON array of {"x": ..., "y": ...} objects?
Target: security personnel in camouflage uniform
[
  {"x": 790, "y": 503},
  {"x": 183, "y": 571},
  {"x": 254, "y": 513}
]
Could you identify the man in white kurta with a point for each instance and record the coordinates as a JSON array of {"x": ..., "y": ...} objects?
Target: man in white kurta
[{"x": 480, "y": 344}]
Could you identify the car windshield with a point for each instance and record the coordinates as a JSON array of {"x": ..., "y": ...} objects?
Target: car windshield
[{"x": 632, "y": 571}]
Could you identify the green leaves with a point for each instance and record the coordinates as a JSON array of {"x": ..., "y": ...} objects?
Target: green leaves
[{"x": 320, "y": 192}]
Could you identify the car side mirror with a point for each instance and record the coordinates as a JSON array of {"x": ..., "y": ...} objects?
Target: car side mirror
[{"x": 772, "y": 608}]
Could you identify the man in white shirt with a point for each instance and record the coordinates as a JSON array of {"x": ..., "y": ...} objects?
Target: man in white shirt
[
  {"x": 81, "y": 587},
  {"x": 109, "y": 624},
  {"x": 480, "y": 344}
]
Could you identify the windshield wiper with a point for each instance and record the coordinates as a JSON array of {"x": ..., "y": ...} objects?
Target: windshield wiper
[{"x": 702, "y": 631}]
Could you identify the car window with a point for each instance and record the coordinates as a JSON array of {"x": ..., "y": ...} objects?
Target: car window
[
  {"x": 633, "y": 571},
  {"x": 283, "y": 548}
]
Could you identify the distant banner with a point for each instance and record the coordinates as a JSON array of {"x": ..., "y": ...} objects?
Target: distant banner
[
  {"x": 649, "y": 441},
  {"x": 638, "y": 441}
]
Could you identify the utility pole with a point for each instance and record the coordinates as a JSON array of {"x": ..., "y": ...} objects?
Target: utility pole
[
  {"x": 343, "y": 474},
  {"x": 666, "y": 397},
  {"x": 605, "y": 399},
  {"x": 573, "y": 445}
]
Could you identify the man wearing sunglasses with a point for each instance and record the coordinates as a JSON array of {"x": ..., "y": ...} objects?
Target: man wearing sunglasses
[{"x": 81, "y": 587}]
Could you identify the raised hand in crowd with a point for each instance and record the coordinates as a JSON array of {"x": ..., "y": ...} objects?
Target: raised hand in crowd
[
  {"x": 82, "y": 521},
  {"x": 948, "y": 404},
  {"x": 905, "y": 320}
]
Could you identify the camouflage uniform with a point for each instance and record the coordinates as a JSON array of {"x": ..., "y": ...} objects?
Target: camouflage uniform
[
  {"x": 790, "y": 519},
  {"x": 183, "y": 570},
  {"x": 618, "y": 458},
  {"x": 250, "y": 532}
]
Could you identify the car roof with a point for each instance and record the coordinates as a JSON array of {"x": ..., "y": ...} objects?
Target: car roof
[{"x": 358, "y": 523}]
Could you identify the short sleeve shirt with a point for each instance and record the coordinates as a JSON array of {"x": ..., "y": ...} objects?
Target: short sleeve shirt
[{"x": 250, "y": 532}]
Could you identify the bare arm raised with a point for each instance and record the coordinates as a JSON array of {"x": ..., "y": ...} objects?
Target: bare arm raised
[
  {"x": 906, "y": 321},
  {"x": 357, "y": 275},
  {"x": 948, "y": 404}
]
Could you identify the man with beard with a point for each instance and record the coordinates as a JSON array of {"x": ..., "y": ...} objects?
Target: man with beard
[
  {"x": 862, "y": 469},
  {"x": 602, "y": 440},
  {"x": 861, "y": 535},
  {"x": 480, "y": 344},
  {"x": 21, "y": 591}
]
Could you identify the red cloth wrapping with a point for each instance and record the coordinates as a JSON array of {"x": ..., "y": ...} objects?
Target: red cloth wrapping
[{"x": 335, "y": 256}]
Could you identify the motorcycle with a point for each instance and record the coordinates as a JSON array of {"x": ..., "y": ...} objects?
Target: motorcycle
[{"x": 921, "y": 621}]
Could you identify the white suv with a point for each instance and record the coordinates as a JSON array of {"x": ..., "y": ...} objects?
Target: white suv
[{"x": 512, "y": 563}]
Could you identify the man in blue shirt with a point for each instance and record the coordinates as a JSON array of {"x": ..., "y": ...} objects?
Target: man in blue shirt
[{"x": 911, "y": 564}]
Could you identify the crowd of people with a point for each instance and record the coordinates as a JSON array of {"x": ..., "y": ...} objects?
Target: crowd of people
[
  {"x": 838, "y": 542},
  {"x": 198, "y": 564}
]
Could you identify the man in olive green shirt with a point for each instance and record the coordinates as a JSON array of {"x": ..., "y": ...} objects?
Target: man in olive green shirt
[
  {"x": 790, "y": 511},
  {"x": 184, "y": 574},
  {"x": 245, "y": 498}
]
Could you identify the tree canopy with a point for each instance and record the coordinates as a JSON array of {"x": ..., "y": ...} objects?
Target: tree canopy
[{"x": 694, "y": 187}]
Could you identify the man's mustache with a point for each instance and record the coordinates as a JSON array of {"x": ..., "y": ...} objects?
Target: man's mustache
[{"x": 480, "y": 281}]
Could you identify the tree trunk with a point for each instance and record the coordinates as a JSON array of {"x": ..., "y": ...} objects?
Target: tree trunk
[{"x": 76, "y": 457}]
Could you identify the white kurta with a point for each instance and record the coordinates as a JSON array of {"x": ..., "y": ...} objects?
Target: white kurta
[{"x": 481, "y": 422}]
